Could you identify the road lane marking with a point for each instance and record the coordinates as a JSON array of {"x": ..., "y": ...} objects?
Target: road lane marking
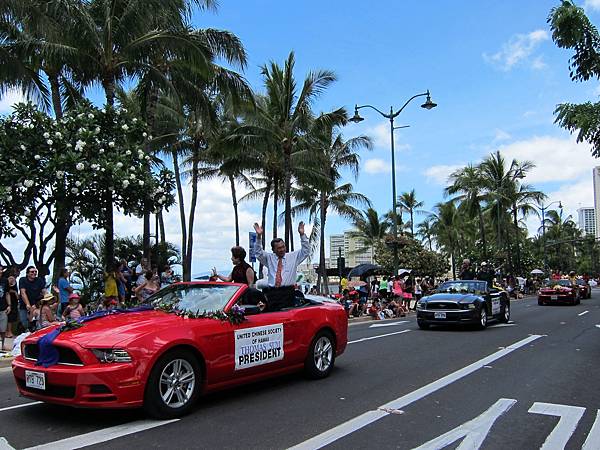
[
  {"x": 593, "y": 439},
  {"x": 379, "y": 325},
  {"x": 378, "y": 336},
  {"x": 369, "y": 417},
  {"x": 22, "y": 405},
  {"x": 104, "y": 435},
  {"x": 474, "y": 431},
  {"x": 500, "y": 325},
  {"x": 583, "y": 313},
  {"x": 564, "y": 429},
  {"x": 597, "y": 326}
]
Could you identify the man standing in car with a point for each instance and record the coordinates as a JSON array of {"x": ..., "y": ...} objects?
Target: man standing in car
[{"x": 282, "y": 268}]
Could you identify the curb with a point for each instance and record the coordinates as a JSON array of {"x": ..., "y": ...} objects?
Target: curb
[{"x": 6, "y": 362}]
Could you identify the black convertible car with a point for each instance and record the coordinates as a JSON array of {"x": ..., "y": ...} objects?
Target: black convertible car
[{"x": 463, "y": 302}]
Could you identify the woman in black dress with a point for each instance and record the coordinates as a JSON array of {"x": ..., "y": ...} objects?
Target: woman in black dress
[
  {"x": 242, "y": 271},
  {"x": 13, "y": 297}
]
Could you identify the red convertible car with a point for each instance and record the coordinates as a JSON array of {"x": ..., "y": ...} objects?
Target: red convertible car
[
  {"x": 558, "y": 291},
  {"x": 191, "y": 339}
]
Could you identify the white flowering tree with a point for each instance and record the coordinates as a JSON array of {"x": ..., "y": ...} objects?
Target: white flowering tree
[{"x": 79, "y": 168}]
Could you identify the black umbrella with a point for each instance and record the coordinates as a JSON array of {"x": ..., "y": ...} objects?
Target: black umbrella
[{"x": 365, "y": 270}]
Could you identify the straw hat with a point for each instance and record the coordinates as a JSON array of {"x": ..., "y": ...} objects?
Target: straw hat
[{"x": 47, "y": 298}]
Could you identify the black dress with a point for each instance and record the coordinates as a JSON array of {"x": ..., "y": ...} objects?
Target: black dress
[{"x": 238, "y": 274}]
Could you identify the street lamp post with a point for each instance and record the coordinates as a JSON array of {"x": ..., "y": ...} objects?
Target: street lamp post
[
  {"x": 391, "y": 116},
  {"x": 543, "y": 209}
]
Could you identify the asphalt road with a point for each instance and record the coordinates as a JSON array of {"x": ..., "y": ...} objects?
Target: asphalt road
[{"x": 530, "y": 384}]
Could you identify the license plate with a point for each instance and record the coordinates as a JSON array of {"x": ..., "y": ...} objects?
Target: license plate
[
  {"x": 554, "y": 297},
  {"x": 439, "y": 315},
  {"x": 35, "y": 380}
]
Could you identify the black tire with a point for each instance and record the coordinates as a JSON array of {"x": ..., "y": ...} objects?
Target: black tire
[
  {"x": 483, "y": 318},
  {"x": 505, "y": 313},
  {"x": 422, "y": 325},
  {"x": 540, "y": 302},
  {"x": 321, "y": 356},
  {"x": 168, "y": 369}
]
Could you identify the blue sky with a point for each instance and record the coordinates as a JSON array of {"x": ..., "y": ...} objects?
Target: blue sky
[{"x": 491, "y": 66}]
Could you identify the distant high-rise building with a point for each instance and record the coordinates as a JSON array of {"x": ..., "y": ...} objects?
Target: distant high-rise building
[
  {"x": 596, "y": 173},
  {"x": 348, "y": 245},
  {"x": 587, "y": 220}
]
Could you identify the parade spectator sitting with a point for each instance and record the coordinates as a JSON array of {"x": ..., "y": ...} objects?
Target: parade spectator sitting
[
  {"x": 148, "y": 288},
  {"x": 74, "y": 310},
  {"x": 167, "y": 276},
  {"x": 46, "y": 316},
  {"x": 32, "y": 288},
  {"x": 375, "y": 310}
]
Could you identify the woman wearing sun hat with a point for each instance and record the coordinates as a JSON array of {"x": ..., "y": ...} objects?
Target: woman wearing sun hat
[{"x": 46, "y": 314}]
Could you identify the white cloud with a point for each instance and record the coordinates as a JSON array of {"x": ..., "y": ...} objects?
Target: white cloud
[
  {"x": 519, "y": 48},
  {"x": 381, "y": 137},
  {"x": 374, "y": 166},
  {"x": 556, "y": 159},
  {"x": 501, "y": 135},
  {"x": 439, "y": 174},
  {"x": 9, "y": 99},
  {"x": 592, "y": 4}
]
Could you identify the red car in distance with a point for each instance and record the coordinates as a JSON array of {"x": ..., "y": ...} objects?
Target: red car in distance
[
  {"x": 585, "y": 290},
  {"x": 163, "y": 361},
  {"x": 558, "y": 291}
]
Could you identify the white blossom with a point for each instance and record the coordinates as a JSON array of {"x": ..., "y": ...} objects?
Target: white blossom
[
  {"x": 8, "y": 189},
  {"x": 147, "y": 158},
  {"x": 119, "y": 165},
  {"x": 141, "y": 183},
  {"x": 103, "y": 111},
  {"x": 49, "y": 142},
  {"x": 124, "y": 127},
  {"x": 23, "y": 147},
  {"x": 111, "y": 144},
  {"x": 125, "y": 183},
  {"x": 58, "y": 134},
  {"x": 97, "y": 130},
  {"x": 78, "y": 183},
  {"x": 144, "y": 134},
  {"x": 134, "y": 120},
  {"x": 28, "y": 183},
  {"x": 12, "y": 160},
  {"x": 128, "y": 152},
  {"x": 101, "y": 151},
  {"x": 37, "y": 157},
  {"x": 90, "y": 116},
  {"x": 31, "y": 127},
  {"x": 103, "y": 170},
  {"x": 74, "y": 190},
  {"x": 79, "y": 166},
  {"x": 69, "y": 146},
  {"x": 79, "y": 145},
  {"x": 8, "y": 198},
  {"x": 46, "y": 135},
  {"x": 124, "y": 110},
  {"x": 159, "y": 189},
  {"x": 60, "y": 173},
  {"x": 132, "y": 176}
]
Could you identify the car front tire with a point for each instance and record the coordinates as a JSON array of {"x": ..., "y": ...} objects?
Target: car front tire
[
  {"x": 505, "y": 317},
  {"x": 422, "y": 325},
  {"x": 321, "y": 356},
  {"x": 483, "y": 319},
  {"x": 173, "y": 386},
  {"x": 540, "y": 302}
]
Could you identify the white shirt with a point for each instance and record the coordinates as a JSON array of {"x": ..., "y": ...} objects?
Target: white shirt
[{"x": 290, "y": 263}]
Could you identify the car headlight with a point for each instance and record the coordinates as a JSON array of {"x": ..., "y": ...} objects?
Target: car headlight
[
  {"x": 422, "y": 305},
  {"x": 111, "y": 355}
]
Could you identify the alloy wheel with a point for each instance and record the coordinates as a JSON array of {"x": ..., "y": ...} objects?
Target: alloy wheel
[
  {"x": 323, "y": 354},
  {"x": 177, "y": 382}
]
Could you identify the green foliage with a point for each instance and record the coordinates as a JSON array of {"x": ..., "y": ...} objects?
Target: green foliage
[
  {"x": 411, "y": 255},
  {"x": 78, "y": 160}
]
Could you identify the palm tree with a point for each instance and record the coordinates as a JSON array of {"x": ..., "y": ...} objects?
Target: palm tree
[
  {"x": 408, "y": 201},
  {"x": 425, "y": 230},
  {"x": 331, "y": 154},
  {"x": 370, "y": 229},
  {"x": 561, "y": 232},
  {"x": 446, "y": 225},
  {"x": 468, "y": 183},
  {"x": 283, "y": 119}
]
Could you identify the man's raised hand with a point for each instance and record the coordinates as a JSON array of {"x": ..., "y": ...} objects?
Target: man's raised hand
[
  {"x": 301, "y": 228},
  {"x": 258, "y": 229}
]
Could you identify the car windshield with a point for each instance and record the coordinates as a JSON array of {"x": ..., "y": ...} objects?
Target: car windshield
[
  {"x": 581, "y": 282},
  {"x": 463, "y": 287},
  {"x": 552, "y": 283},
  {"x": 194, "y": 298}
]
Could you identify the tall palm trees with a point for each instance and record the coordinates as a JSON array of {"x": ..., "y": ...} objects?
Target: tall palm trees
[{"x": 408, "y": 201}]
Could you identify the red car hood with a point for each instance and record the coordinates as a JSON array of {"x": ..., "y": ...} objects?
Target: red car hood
[
  {"x": 564, "y": 290},
  {"x": 117, "y": 329}
]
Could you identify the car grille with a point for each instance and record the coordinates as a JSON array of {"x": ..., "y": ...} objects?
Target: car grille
[
  {"x": 52, "y": 390},
  {"x": 65, "y": 354},
  {"x": 444, "y": 305}
]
